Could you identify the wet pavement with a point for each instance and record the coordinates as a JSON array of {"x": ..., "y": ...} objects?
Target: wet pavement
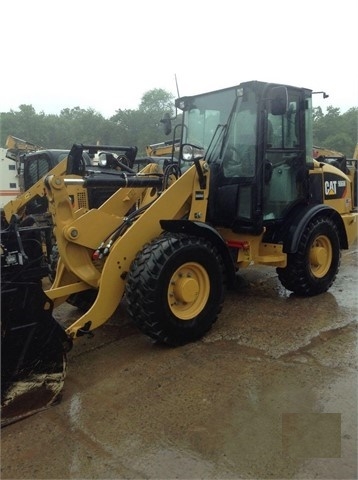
[{"x": 270, "y": 392}]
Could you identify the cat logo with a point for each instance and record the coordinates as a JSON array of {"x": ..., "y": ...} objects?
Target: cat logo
[{"x": 331, "y": 186}]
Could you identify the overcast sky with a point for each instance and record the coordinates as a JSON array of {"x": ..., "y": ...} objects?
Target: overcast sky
[{"x": 106, "y": 54}]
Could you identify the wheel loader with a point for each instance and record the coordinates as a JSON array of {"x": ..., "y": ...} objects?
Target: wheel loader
[
  {"x": 244, "y": 190},
  {"x": 32, "y": 204},
  {"x": 166, "y": 149},
  {"x": 35, "y": 165}
]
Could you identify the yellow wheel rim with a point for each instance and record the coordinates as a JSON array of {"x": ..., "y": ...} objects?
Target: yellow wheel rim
[
  {"x": 320, "y": 256},
  {"x": 188, "y": 291}
]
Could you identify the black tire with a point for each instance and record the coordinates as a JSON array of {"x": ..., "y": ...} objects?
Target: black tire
[
  {"x": 175, "y": 288},
  {"x": 314, "y": 267}
]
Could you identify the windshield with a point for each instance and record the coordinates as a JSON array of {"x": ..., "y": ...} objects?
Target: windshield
[{"x": 204, "y": 114}]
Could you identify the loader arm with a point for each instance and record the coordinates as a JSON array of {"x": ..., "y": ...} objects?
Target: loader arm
[
  {"x": 163, "y": 149},
  {"x": 80, "y": 237},
  {"x": 16, "y": 145}
]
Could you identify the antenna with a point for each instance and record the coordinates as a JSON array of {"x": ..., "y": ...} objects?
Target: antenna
[{"x": 176, "y": 83}]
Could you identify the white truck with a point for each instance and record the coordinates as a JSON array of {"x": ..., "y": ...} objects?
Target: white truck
[
  {"x": 11, "y": 168},
  {"x": 9, "y": 178}
]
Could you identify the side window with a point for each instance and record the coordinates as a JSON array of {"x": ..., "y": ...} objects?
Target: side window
[
  {"x": 283, "y": 128},
  {"x": 37, "y": 168},
  {"x": 43, "y": 167},
  {"x": 32, "y": 175},
  {"x": 283, "y": 156}
]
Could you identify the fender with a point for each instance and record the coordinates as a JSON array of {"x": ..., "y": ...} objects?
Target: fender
[
  {"x": 200, "y": 229},
  {"x": 296, "y": 222}
]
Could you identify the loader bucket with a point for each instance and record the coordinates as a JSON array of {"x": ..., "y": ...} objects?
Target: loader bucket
[{"x": 33, "y": 351}]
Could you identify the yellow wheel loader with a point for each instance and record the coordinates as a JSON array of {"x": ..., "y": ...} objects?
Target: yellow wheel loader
[
  {"x": 31, "y": 206},
  {"x": 35, "y": 165},
  {"x": 166, "y": 149},
  {"x": 244, "y": 190}
]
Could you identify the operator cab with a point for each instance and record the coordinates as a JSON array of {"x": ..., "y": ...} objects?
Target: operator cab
[{"x": 254, "y": 137}]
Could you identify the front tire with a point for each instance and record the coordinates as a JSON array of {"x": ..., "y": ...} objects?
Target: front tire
[
  {"x": 175, "y": 288},
  {"x": 313, "y": 268}
]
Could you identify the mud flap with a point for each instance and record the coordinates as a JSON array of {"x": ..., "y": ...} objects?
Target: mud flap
[{"x": 33, "y": 351}]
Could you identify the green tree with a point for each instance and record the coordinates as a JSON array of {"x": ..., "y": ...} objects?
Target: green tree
[
  {"x": 83, "y": 126},
  {"x": 336, "y": 131},
  {"x": 27, "y": 124},
  {"x": 141, "y": 127},
  {"x": 157, "y": 101}
]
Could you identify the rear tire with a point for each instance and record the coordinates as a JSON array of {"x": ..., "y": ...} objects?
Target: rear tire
[
  {"x": 313, "y": 268},
  {"x": 175, "y": 288}
]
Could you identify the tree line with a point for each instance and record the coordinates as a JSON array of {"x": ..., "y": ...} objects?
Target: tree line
[{"x": 141, "y": 127}]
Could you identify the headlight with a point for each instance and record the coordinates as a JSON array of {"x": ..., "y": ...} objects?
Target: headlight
[
  {"x": 102, "y": 160},
  {"x": 188, "y": 152}
]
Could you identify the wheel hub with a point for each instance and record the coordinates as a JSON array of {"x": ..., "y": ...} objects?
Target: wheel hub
[
  {"x": 188, "y": 290},
  {"x": 320, "y": 256}
]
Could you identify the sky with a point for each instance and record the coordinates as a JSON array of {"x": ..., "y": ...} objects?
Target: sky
[{"x": 107, "y": 54}]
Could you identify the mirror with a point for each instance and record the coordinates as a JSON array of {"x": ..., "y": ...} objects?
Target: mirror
[
  {"x": 278, "y": 100},
  {"x": 167, "y": 124}
]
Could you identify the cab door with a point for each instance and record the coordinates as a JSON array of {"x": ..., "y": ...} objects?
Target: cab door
[
  {"x": 261, "y": 172},
  {"x": 285, "y": 156},
  {"x": 235, "y": 180}
]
